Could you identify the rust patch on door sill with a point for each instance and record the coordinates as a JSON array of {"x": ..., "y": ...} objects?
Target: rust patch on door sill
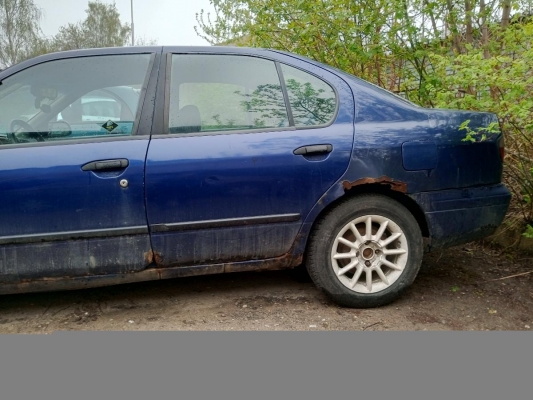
[
  {"x": 273, "y": 264},
  {"x": 149, "y": 274},
  {"x": 153, "y": 257},
  {"x": 397, "y": 186}
]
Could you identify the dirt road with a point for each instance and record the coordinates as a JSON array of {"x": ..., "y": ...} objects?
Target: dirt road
[{"x": 456, "y": 290}]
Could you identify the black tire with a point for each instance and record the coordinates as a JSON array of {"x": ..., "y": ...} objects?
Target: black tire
[{"x": 322, "y": 239}]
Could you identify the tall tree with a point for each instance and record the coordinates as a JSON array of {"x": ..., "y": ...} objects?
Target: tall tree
[
  {"x": 19, "y": 30},
  {"x": 467, "y": 54},
  {"x": 144, "y": 41},
  {"x": 101, "y": 28},
  {"x": 379, "y": 40}
]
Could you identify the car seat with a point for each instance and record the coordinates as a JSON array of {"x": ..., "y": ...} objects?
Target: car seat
[{"x": 188, "y": 120}]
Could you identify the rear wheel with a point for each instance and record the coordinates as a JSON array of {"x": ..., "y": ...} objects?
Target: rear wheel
[{"x": 365, "y": 252}]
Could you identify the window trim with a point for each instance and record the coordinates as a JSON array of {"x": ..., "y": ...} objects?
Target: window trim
[
  {"x": 278, "y": 64},
  {"x": 142, "y": 101},
  {"x": 63, "y": 142},
  {"x": 217, "y": 133},
  {"x": 335, "y": 92},
  {"x": 285, "y": 94},
  {"x": 142, "y": 95},
  {"x": 168, "y": 81},
  {"x": 166, "y": 113}
]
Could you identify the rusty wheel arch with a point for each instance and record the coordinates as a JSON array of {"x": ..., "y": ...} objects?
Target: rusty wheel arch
[
  {"x": 383, "y": 181},
  {"x": 396, "y": 190}
]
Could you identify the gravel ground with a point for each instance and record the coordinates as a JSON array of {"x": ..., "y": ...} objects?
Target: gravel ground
[{"x": 460, "y": 289}]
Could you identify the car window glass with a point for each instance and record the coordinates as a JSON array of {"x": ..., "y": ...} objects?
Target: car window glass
[
  {"x": 72, "y": 99},
  {"x": 313, "y": 101},
  {"x": 224, "y": 93},
  {"x": 105, "y": 111},
  {"x": 100, "y": 106}
]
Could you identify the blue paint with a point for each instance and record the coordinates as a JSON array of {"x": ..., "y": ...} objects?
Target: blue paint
[
  {"x": 45, "y": 191},
  {"x": 176, "y": 179},
  {"x": 420, "y": 155},
  {"x": 194, "y": 178},
  {"x": 458, "y": 216}
]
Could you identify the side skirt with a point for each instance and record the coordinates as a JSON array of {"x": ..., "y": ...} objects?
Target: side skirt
[{"x": 149, "y": 274}]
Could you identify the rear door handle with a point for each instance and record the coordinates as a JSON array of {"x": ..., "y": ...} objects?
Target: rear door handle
[
  {"x": 314, "y": 149},
  {"x": 104, "y": 165}
]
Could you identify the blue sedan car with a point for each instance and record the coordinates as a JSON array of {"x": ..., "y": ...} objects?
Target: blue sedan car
[{"x": 134, "y": 164}]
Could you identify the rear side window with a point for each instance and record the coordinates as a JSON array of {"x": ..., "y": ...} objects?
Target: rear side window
[
  {"x": 224, "y": 93},
  {"x": 73, "y": 98},
  {"x": 312, "y": 100}
]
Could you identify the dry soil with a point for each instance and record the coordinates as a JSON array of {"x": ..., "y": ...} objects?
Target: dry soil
[{"x": 458, "y": 289}]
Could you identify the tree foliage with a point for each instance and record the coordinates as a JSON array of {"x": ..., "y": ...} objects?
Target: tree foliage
[
  {"x": 101, "y": 28},
  {"x": 21, "y": 36},
  {"x": 145, "y": 41},
  {"x": 385, "y": 41},
  {"x": 19, "y": 30},
  {"x": 466, "y": 54}
]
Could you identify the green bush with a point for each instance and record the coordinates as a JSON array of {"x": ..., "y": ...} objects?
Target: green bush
[
  {"x": 501, "y": 83},
  {"x": 464, "y": 55}
]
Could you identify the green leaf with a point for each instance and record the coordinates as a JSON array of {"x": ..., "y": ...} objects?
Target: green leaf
[{"x": 529, "y": 232}]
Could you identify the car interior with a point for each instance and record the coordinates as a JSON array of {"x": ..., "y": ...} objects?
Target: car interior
[{"x": 55, "y": 103}]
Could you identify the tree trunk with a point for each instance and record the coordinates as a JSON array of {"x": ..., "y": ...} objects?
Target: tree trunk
[
  {"x": 485, "y": 41},
  {"x": 506, "y": 13},
  {"x": 468, "y": 21},
  {"x": 433, "y": 21},
  {"x": 452, "y": 22},
  {"x": 484, "y": 30}
]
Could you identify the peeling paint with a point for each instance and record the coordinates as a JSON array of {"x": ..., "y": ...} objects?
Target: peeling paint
[
  {"x": 283, "y": 262},
  {"x": 157, "y": 257},
  {"x": 150, "y": 274},
  {"x": 149, "y": 257},
  {"x": 113, "y": 255},
  {"x": 153, "y": 257},
  {"x": 397, "y": 186}
]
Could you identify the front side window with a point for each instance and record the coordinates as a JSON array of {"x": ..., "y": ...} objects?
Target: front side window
[
  {"x": 72, "y": 99},
  {"x": 100, "y": 106},
  {"x": 313, "y": 101},
  {"x": 102, "y": 112},
  {"x": 224, "y": 93}
]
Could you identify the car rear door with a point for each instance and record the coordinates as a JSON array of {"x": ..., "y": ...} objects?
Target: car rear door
[
  {"x": 72, "y": 199},
  {"x": 232, "y": 171}
]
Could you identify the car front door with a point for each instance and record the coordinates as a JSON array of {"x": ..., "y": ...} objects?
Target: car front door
[
  {"x": 235, "y": 171},
  {"x": 72, "y": 186}
]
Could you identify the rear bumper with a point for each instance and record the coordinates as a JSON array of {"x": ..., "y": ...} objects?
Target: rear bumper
[{"x": 459, "y": 216}]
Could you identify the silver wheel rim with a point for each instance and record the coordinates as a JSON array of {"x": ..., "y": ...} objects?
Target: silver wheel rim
[{"x": 369, "y": 254}]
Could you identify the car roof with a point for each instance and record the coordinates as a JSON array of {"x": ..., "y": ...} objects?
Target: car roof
[
  {"x": 133, "y": 50},
  {"x": 199, "y": 50}
]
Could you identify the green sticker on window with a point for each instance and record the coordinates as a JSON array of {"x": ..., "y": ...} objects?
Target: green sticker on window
[{"x": 110, "y": 126}]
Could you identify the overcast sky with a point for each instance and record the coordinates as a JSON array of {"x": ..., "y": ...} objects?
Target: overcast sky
[{"x": 170, "y": 22}]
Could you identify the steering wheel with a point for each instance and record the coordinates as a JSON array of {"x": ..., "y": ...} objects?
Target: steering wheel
[
  {"x": 30, "y": 131},
  {"x": 59, "y": 129}
]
